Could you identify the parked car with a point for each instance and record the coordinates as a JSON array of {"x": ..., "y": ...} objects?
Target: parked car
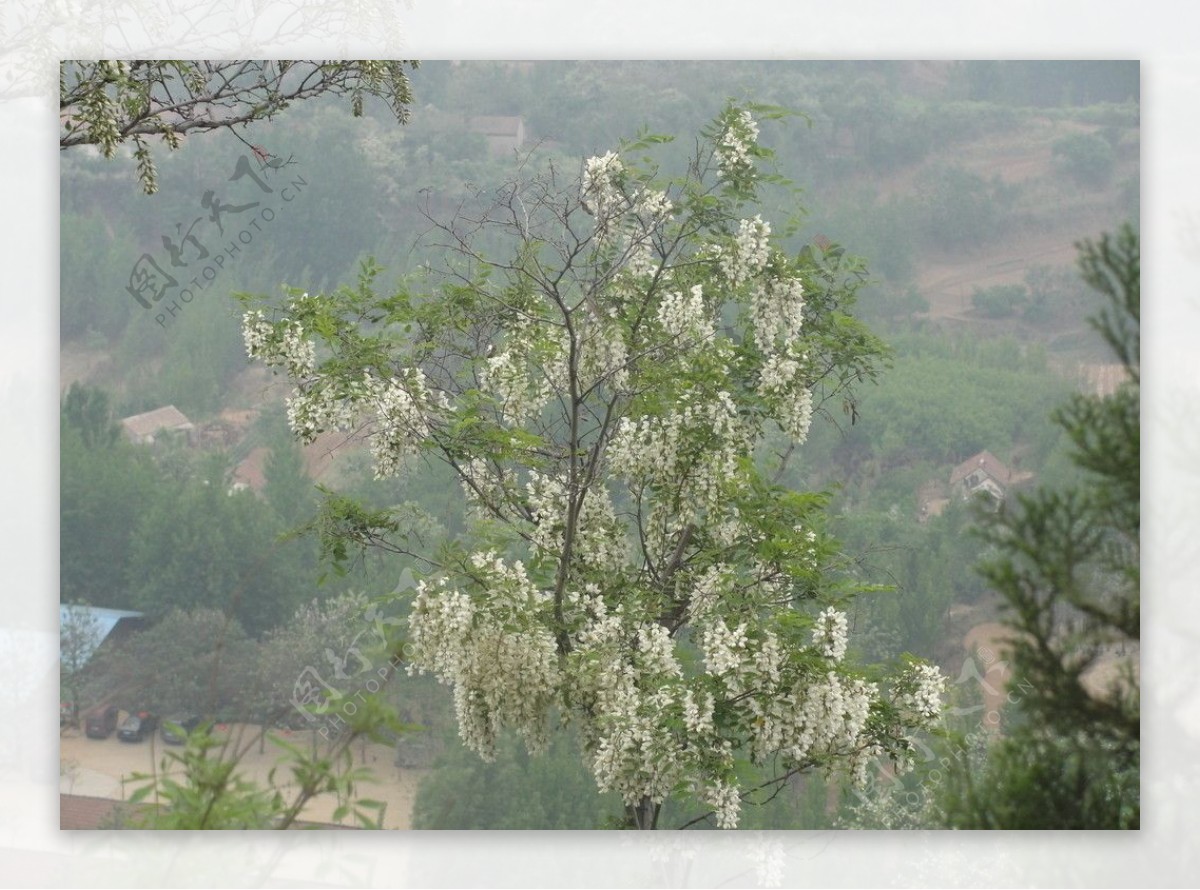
[
  {"x": 137, "y": 726},
  {"x": 100, "y": 722},
  {"x": 175, "y": 730}
]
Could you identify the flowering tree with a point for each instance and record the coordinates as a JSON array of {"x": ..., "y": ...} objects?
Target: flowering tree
[
  {"x": 108, "y": 103},
  {"x": 618, "y": 399}
]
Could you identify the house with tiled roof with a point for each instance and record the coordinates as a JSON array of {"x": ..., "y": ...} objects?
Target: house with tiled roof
[
  {"x": 144, "y": 429},
  {"x": 982, "y": 473}
]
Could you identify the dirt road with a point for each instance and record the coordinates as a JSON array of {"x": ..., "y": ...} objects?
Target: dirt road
[{"x": 103, "y": 767}]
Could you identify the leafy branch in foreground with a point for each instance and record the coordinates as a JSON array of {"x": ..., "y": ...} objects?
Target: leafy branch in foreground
[
  {"x": 111, "y": 103},
  {"x": 201, "y": 787}
]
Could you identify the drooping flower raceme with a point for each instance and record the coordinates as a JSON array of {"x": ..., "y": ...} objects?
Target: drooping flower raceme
[
  {"x": 401, "y": 406},
  {"x": 830, "y": 634},
  {"x": 749, "y": 253},
  {"x": 733, "y": 149},
  {"x": 925, "y": 685},
  {"x": 601, "y": 194},
  {"x": 777, "y": 313},
  {"x": 685, "y": 317},
  {"x": 279, "y": 346},
  {"x": 499, "y": 657}
]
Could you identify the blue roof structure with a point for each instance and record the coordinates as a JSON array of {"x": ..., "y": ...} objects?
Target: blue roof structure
[{"x": 105, "y": 619}]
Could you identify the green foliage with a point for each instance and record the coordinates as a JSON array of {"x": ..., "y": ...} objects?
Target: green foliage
[
  {"x": 1087, "y": 158},
  {"x": 961, "y": 208},
  {"x": 928, "y": 566},
  {"x": 202, "y": 354},
  {"x": 204, "y": 546},
  {"x": 109, "y": 103},
  {"x": 551, "y": 791},
  {"x": 1042, "y": 781},
  {"x": 104, "y": 492},
  {"x": 94, "y": 267},
  {"x": 1000, "y": 300},
  {"x": 196, "y": 661},
  {"x": 944, "y": 400},
  {"x": 1067, "y": 565},
  {"x": 288, "y": 488},
  {"x": 200, "y": 787},
  {"x": 87, "y": 409}
]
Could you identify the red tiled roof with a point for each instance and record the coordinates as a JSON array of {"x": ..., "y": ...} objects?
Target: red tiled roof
[
  {"x": 252, "y": 470},
  {"x": 76, "y": 811}
]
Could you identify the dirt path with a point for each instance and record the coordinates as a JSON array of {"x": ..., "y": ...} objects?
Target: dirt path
[{"x": 96, "y": 768}]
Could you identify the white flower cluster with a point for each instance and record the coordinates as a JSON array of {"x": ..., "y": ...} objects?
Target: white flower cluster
[
  {"x": 279, "y": 346},
  {"x": 698, "y": 716},
  {"x": 400, "y": 407},
  {"x": 777, "y": 317},
  {"x": 724, "y": 648},
  {"x": 798, "y": 717},
  {"x": 640, "y": 260},
  {"x": 694, "y": 450},
  {"x": 733, "y": 149},
  {"x": 685, "y": 318},
  {"x": 653, "y": 208},
  {"x": 603, "y": 356},
  {"x": 777, "y": 312},
  {"x": 500, "y": 658},
  {"x": 600, "y": 194},
  {"x": 827, "y": 716},
  {"x": 795, "y": 415},
  {"x": 726, "y": 801},
  {"x": 599, "y": 541},
  {"x": 707, "y": 590},
  {"x": 925, "y": 695},
  {"x": 506, "y": 375},
  {"x": 481, "y": 482},
  {"x": 317, "y": 408},
  {"x": 628, "y": 676},
  {"x": 397, "y": 407},
  {"x": 749, "y": 253},
  {"x": 829, "y": 634}
]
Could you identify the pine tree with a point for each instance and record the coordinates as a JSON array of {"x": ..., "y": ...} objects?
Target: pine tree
[{"x": 1067, "y": 566}]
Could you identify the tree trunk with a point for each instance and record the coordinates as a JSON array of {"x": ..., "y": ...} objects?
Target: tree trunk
[{"x": 643, "y": 816}]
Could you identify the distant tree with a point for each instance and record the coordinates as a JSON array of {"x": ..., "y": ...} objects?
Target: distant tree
[
  {"x": 959, "y": 208},
  {"x": 1000, "y": 300},
  {"x": 515, "y": 791},
  {"x": 197, "y": 660},
  {"x": 334, "y": 646},
  {"x": 89, "y": 410},
  {"x": 109, "y": 103},
  {"x": 200, "y": 545},
  {"x": 79, "y": 634},
  {"x": 288, "y": 488},
  {"x": 1086, "y": 157},
  {"x": 104, "y": 493},
  {"x": 1067, "y": 565}
]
